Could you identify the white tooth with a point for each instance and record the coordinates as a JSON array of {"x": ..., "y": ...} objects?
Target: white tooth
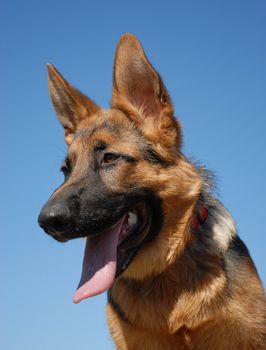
[{"x": 132, "y": 218}]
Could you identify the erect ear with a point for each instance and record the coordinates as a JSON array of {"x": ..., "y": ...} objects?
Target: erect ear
[
  {"x": 71, "y": 105},
  {"x": 136, "y": 81}
]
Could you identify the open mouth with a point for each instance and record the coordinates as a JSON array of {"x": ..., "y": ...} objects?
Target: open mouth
[{"x": 108, "y": 254}]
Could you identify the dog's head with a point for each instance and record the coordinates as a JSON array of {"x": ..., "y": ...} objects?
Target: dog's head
[{"x": 124, "y": 174}]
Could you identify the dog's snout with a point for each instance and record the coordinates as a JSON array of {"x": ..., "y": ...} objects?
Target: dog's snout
[{"x": 55, "y": 218}]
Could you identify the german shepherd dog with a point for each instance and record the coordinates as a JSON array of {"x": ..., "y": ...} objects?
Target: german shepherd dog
[{"x": 177, "y": 274}]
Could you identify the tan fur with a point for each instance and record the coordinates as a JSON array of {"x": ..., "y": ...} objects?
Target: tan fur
[{"x": 172, "y": 295}]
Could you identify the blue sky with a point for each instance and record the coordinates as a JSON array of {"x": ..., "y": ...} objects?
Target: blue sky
[{"x": 212, "y": 57}]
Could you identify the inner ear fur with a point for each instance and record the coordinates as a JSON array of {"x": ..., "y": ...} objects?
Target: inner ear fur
[
  {"x": 71, "y": 106},
  {"x": 139, "y": 91}
]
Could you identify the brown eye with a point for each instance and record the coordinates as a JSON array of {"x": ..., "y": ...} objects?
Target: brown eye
[
  {"x": 65, "y": 171},
  {"x": 65, "y": 168},
  {"x": 109, "y": 158}
]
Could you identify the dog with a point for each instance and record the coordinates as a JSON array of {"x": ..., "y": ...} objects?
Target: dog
[{"x": 159, "y": 242}]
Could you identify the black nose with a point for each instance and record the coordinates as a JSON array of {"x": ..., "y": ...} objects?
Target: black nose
[{"x": 55, "y": 219}]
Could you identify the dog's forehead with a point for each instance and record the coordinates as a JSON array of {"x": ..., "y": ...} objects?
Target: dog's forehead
[
  {"x": 103, "y": 120},
  {"x": 108, "y": 126}
]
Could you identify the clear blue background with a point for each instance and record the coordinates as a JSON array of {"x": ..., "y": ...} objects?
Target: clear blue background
[{"x": 212, "y": 57}]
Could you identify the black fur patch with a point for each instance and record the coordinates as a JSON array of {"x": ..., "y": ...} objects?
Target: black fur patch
[
  {"x": 237, "y": 253},
  {"x": 239, "y": 247},
  {"x": 116, "y": 307}
]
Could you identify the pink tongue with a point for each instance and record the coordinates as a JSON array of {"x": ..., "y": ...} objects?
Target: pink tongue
[{"x": 99, "y": 264}]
